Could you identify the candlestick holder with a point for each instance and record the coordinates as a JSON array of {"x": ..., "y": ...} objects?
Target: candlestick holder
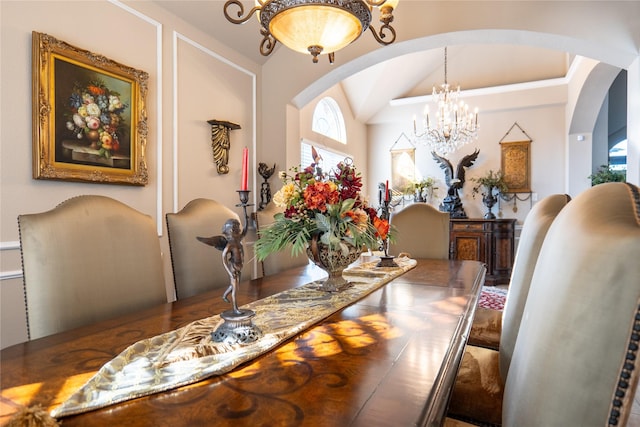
[
  {"x": 237, "y": 328},
  {"x": 265, "y": 189},
  {"x": 386, "y": 260}
]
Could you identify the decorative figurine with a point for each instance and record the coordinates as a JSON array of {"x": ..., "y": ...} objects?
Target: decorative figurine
[
  {"x": 230, "y": 243},
  {"x": 265, "y": 190},
  {"x": 237, "y": 327},
  {"x": 221, "y": 143},
  {"x": 452, "y": 202}
]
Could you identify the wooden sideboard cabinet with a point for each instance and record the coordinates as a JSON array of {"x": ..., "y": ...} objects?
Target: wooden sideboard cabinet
[{"x": 487, "y": 240}]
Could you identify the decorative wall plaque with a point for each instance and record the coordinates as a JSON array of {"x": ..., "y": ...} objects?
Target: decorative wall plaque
[
  {"x": 221, "y": 143},
  {"x": 403, "y": 163},
  {"x": 515, "y": 164}
]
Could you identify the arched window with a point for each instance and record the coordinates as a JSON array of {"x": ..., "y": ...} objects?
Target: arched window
[{"x": 328, "y": 120}]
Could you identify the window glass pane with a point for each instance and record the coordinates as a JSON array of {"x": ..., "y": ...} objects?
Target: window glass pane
[
  {"x": 618, "y": 156},
  {"x": 328, "y": 120},
  {"x": 329, "y": 159}
]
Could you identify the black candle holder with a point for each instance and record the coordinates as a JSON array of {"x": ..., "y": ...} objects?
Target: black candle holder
[
  {"x": 265, "y": 189},
  {"x": 244, "y": 204},
  {"x": 386, "y": 260}
]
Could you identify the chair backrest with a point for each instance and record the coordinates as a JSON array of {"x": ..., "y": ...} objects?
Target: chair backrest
[
  {"x": 197, "y": 267},
  {"x": 88, "y": 259},
  {"x": 282, "y": 260},
  {"x": 422, "y": 231},
  {"x": 534, "y": 230},
  {"x": 574, "y": 362}
]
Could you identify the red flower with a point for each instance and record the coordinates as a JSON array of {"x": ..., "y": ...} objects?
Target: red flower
[
  {"x": 318, "y": 194},
  {"x": 382, "y": 226},
  {"x": 95, "y": 90},
  {"x": 350, "y": 182}
]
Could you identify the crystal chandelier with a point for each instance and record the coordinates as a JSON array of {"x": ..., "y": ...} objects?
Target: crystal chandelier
[
  {"x": 315, "y": 26},
  {"x": 454, "y": 126}
]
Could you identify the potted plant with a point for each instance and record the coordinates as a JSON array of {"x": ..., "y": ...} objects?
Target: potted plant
[
  {"x": 325, "y": 216},
  {"x": 490, "y": 185},
  {"x": 422, "y": 190},
  {"x": 606, "y": 174}
]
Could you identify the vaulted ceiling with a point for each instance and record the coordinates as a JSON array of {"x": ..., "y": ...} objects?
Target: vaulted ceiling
[{"x": 371, "y": 90}]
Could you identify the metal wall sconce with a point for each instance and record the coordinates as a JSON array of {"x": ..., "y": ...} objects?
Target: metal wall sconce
[{"x": 265, "y": 189}]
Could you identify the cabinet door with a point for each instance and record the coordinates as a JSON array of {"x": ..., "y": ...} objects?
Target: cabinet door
[
  {"x": 469, "y": 246},
  {"x": 503, "y": 251}
]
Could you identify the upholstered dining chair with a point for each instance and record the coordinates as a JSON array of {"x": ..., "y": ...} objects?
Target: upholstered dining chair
[
  {"x": 575, "y": 356},
  {"x": 282, "y": 260},
  {"x": 197, "y": 267},
  {"x": 490, "y": 325},
  {"x": 422, "y": 231},
  {"x": 88, "y": 259},
  {"x": 494, "y": 329}
]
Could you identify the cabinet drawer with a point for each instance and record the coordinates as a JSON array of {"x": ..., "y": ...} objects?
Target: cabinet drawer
[{"x": 467, "y": 226}]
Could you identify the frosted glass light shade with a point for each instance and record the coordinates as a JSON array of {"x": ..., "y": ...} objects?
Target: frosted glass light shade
[{"x": 326, "y": 26}]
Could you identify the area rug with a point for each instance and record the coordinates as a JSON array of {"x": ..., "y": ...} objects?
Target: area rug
[{"x": 492, "y": 298}]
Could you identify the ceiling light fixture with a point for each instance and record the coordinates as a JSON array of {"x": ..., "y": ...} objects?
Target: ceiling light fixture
[
  {"x": 316, "y": 26},
  {"x": 454, "y": 124}
]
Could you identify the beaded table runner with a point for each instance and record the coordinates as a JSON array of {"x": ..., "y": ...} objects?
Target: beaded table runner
[{"x": 188, "y": 354}]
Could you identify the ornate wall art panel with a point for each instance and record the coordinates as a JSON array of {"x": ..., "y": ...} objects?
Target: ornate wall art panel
[
  {"x": 403, "y": 163},
  {"x": 516, "y": 165}
]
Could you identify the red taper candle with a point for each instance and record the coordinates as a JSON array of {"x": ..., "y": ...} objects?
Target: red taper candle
[{"x": 245, "y": 170}]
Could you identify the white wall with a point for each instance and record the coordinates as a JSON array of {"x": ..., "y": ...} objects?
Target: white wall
[
  {"x": 539, "y": 112},
  {"x": 192, "y": 79}
]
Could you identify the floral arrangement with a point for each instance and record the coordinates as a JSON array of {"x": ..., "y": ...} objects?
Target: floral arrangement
[
  {"x": 95, "y": 113},
  {"x": 325, "y": 206},
  {"x": 489, "y": 181}
]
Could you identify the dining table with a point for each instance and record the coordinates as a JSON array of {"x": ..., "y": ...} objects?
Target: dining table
[{"x": 388, "y": 359}]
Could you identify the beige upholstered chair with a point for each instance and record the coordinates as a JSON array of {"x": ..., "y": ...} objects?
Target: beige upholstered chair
[
  {"x": 197, "y": 267},
  {"x": 88, "y": 259},
  {"x": 282, "y": 260},
  {"x": 422, "y": 231},
  {"x": 575, "y": 357},
  {"x": 488, "y": 325},
  {"x": 479, "y": 384}
]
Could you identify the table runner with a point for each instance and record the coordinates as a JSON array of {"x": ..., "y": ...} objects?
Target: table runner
[{"x": 188, "y": 354}]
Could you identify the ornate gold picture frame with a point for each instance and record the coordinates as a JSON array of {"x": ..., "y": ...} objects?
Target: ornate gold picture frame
[
  {"x": 516, "y": 161},
  {"x": 89, "y": 116}
]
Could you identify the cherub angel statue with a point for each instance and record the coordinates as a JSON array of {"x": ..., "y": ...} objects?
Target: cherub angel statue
[{"x": 230, "y": 243}]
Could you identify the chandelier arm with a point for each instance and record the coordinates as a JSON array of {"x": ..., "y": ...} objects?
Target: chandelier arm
[
  {"x": 241, "y": 19},
  {"x": 268, "y": 42},
  {"x": 374, "y": 3},
  {"x": 379, "y": 38}
]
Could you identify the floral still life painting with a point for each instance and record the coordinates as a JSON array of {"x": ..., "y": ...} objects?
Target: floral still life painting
[
  {"x": 89, "y": 116},
  {"x": 98, "y": 115}
]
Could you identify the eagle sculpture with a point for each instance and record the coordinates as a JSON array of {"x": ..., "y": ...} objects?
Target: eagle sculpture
[{"x": 452, "y": 202}]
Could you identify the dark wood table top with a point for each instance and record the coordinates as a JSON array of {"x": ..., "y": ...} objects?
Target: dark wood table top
[{"x": 389, "y": 359}]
